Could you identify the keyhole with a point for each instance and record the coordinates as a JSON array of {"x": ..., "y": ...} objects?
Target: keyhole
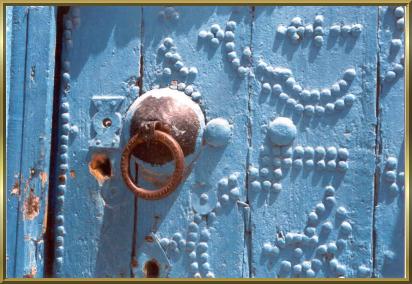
[
  {"x": 107, "y": 122},
  {"x": 151, "y": 269}
]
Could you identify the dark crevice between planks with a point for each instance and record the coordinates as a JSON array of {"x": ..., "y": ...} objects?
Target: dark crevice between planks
[
  {"x": 49, "y": 236},
  {"x": 247, "y": 217},
  {"x": 139, "y": 83},
  {"x": 378, "y": 149}
]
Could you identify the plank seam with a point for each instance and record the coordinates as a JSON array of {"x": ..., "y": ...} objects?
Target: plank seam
[
  {"x": 139, "y": 83},
  {"x": 378, "y": 148},
  {"x": 71, "y": 21},
  {"x": 49, "y": 234},
  {"x": 247, "y": 218}
]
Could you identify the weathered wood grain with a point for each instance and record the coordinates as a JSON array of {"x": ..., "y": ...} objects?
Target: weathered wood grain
[
  {"x": 300, "y": 170},
  {"x": 95, "y": 215},
  {"x": 214, "y": 233},
  {"x": 390, "y": 200},
  {"x": 309, "y": 220},
  {"x": 33, "y": 63}
]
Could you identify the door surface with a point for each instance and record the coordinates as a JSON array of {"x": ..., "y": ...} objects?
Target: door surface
[{"x": 298, "y": 166}]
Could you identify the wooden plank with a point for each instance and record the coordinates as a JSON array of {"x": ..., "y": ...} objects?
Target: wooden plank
[
  {"x": 312, "y": 207},
  {"x": 94, "y": 219},
  {"x": 390, "y": 206},
  {"x": 9, "y": 33},
  {"x": 210, "y": 238},
  {"x": 30, "y": 108},
  {"x": 14, "y": 130},
  {"x": 35, "y": 151}
]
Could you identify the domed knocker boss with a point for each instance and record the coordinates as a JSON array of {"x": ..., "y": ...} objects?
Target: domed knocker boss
[{"x": 163, "y": 135}]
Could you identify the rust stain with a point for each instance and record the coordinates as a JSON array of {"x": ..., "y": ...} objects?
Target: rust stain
[
  {"x": 26, "y": 186},
  {"x": 16, "y": 188},
  {"x": 27, "y": 182},
  {"x": 72, "y": 174},
  {"x": 62, "y": 178},
  {"x": 32, "y": 273},
  {"x": 44, "y": 178},
  {"x": 31, "y": 208},
  {"x": 149, "y": 239}
]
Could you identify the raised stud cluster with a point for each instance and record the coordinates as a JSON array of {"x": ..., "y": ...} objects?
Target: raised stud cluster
[
  {"x": 304, "y": 254},
  {"x": 195, "y": 245},
  {"x": 276, "y": 161},
  {"x": 175, "y": 70},
  {"x": 199, "y": 231},
  {"x": 169, "y": 14},
  {"x": 239, "y": 63},
  {"x": 391, "y": 177},
  {"x": 345, "y": 30},
  {"x": 229, "y": 191},
  {"x": 279, "y": 82},
  {"x": 297, "y": 31},
  {"x": 329, "y": 158},
  {"x": 399, "y": 14},
  {"x": 214, "y": 36},
  {"x": 173, "y": 246},
  {"x": 396, "y": 69}
]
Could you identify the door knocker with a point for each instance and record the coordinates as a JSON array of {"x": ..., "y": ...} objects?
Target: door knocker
[{"x": 165, "y": 128}]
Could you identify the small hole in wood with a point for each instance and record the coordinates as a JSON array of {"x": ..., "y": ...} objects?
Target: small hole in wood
[
  {"x": 151, "y": 269},
  {"x": 100, "y": 167}
]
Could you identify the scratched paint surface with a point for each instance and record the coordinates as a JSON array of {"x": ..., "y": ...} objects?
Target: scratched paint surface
[
  {"x": 318, "y": 197},
  {"x": 296, "y": 136},
  {"x": 390, "y": 219},
  {"x": 94, "y": 214},
  {"x": 208, "y": 228},
  {"x": 28, "y": 139}
]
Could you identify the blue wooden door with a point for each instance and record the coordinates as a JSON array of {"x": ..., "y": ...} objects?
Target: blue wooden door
[{"x": 297, "y": 170}]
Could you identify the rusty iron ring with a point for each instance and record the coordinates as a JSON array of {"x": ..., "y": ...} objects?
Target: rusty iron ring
[{"x": 175, "y": 179}]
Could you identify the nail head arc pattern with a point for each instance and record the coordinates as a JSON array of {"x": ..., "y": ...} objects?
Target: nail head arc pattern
[{"x": 176, "y": 177}]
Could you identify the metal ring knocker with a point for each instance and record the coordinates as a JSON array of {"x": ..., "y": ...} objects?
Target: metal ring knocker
[{"x": 176, "y": 177}]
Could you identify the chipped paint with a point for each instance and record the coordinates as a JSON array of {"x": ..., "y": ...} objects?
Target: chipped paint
[
  {"x": 44, "y": 178},
  {"x": 32, "y": 273},
  {"x": 29, "y": 135},
  {"x": 31, "y": 208},
  {"x": 100, "y": 168},
  {"x": 16, "y": 188}
]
